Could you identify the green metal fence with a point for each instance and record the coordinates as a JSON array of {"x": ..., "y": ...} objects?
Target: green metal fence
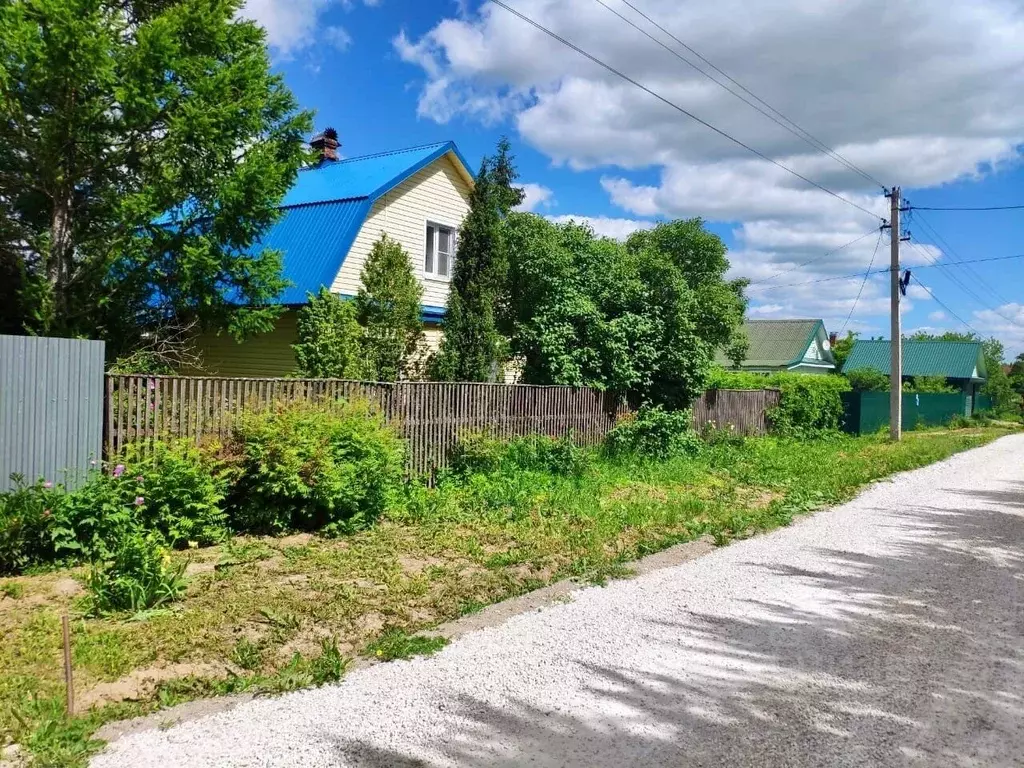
[{"x": 866, "y": 412}]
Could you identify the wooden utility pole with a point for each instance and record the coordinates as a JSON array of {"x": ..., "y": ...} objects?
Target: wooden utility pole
[{"x": 896, "y": 364}]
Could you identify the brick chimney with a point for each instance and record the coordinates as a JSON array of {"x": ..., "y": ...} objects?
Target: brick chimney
[
  {"x": 832, "y": 338},
  {"x": 326, "y": 144}
]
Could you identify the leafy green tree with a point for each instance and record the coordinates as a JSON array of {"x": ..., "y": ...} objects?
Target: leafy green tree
[
  {"x": 642, "y": 318},
  {"x": 388, "y": 308},
  {"x": 738, "y": 347},
  {"x": 144, "y": 146},
  {"x": 1017, "y": 375},
  {"x": 842, "y": 348},
  {"x": 330, "y": 339}
]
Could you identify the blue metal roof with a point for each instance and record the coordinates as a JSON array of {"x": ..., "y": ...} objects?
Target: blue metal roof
[
  {"x": 313, "y": 240},
  {"x": 324, "y": 210},
  {"x": 369, "y": 176}
]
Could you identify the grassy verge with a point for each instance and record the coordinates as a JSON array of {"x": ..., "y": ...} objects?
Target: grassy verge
[{"x": 277, "y": 614}]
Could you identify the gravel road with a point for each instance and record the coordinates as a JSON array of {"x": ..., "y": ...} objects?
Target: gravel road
[{"x": 888, "y": 631}]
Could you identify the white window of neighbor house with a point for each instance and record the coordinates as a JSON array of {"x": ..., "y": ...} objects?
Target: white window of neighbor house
[{"x": 439, "y": 253}]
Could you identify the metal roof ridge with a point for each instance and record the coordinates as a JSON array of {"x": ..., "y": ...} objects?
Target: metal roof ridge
[{"x": 334, "y": 163}]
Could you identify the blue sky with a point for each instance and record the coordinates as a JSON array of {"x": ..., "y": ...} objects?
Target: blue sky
[{"x": 948, "y": 126}]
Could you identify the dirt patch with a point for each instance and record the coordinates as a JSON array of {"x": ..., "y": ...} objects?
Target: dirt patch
[
  {"x": 757, "y": 498},
  {"x": 67, "y": 588},
  {"x": 141, "y": 684},
  {"x": 194, "y": 569},
  {"x": 294, "y": 540},
  {"x": 414, "y": 566}
]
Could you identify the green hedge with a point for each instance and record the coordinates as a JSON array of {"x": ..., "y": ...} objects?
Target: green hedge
[{"x": 810, "y": 406}]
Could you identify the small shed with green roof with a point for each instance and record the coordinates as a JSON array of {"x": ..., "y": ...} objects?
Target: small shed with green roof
[
  {"x": 962, "y": 363},
  {"x": 800, "y": 346}
]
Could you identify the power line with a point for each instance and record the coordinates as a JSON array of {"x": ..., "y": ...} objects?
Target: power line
[
  {"x": 952, "y": 277},
  {"x": 944, "y": 306},
  {"x": 659, "y": 97},
  {"x": 981, "y": 302},
  {"x": 980, "y": 208},
  {"x": 781, "y": 120},
  {"x": 886, "y": 271},
  {"x": 811, "y": 261},
  {"x": 970, "y": 261},
  {"x": 952, "y": 251},
  {"x": 862, "y": 283}
]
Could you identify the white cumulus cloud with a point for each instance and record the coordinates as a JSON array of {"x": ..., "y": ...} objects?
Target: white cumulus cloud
[
  {"x": 617, "y": 229},
  {"x": 955, "y": 82},
  {"x": 535, "y": 196},
  {"x": 293, "y": 25}
]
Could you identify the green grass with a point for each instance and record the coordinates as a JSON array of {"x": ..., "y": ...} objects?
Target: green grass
[
  {"x": 396, "y": 643},
  {"x": 282, "y": 615},
  {"x": 12, "y": 589}
]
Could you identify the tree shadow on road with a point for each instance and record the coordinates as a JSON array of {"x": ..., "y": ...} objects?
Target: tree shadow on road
[{"x": 911, "y": 657}]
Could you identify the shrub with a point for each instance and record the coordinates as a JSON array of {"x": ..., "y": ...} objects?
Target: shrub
[
  {"x": 174, "y": 490},
  {"x": 140, "y": 576},
  {"x": 26, "y": 517},
  {"x": 91, "y": 522},
  {"x": 388, "y": 309},
  {"x": 810, "y": 405},
  {"x": 329, "y": 338},
  {"x": 867, "y": 380},
  {"x": 183, "y": 488},
  {"x": 481, "y": 454},
  {"x": 654, "y": 433},
  {"x": 931, "y": 385},
  {"x": 330, "y": 466}
]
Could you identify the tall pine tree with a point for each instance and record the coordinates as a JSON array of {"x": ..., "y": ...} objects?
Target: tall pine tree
[
  {"x": 473, "y": 347},
  {"x": 144, "y": 146}
]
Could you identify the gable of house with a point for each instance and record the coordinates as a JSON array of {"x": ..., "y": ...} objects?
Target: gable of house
[
  {"x": 437, "y": 194},
  {"x": 781, "y": 345},
  {"x": 336, "y": 210},
  {"x": 329, "y": 221}
]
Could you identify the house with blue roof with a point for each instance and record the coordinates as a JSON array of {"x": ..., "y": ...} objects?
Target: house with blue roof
[{"x": 330, "y": 219}]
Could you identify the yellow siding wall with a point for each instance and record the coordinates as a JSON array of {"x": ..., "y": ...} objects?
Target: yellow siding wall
[
  {"x": 269, "y": 354},
  {"x": 432, "y": 338},
  {"x": 439, "y": 194}
]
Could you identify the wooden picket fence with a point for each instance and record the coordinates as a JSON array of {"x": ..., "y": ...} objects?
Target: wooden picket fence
[
  {"x": 430, "y": 416},
  {"x": 745, "y": 411}
]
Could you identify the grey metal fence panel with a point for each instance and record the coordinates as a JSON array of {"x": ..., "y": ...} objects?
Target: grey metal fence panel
[{"x": 51, "y": 408}]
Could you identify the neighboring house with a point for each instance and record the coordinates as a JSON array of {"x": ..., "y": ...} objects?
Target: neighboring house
[
  {"x": 800, "y": 346},
  {"x": 962, "y": 363},
  {"x": 330, "y": 220}
]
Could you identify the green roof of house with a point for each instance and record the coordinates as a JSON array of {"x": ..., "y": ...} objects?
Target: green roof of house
[
  {"x": 952, "y": 359},
  {"x": 775, "y": 343}
]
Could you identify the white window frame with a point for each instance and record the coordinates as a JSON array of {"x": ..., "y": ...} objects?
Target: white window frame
[{"x": 433, "y": 274}]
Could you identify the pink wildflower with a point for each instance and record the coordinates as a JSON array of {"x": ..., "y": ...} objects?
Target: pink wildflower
[
  {"x": 46, "y": 513},
  {"x": 119, "y": 470},
  {"x": 139, "y": 501},
  {"x": 139, "y": 479},
  {"x": 48, "y": 484}
]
